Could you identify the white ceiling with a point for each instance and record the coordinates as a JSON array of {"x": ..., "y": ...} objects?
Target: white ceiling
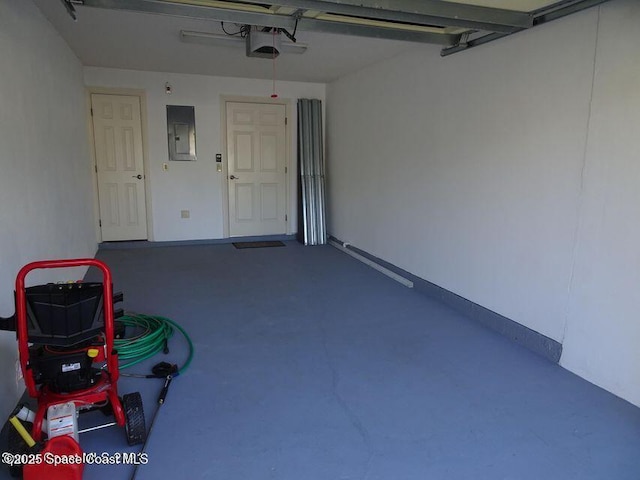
[
  {"x": 106, "y": 37},
  {"x": 142, "y": 41}
]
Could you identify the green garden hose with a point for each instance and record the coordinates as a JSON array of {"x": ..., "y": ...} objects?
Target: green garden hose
[{"x": 151, "y": 337}]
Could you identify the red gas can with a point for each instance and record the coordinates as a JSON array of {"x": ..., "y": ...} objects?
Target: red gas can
[{"x": 60, "y": 459}]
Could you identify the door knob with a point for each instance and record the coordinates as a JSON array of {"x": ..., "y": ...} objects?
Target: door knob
[
  {"x": 233, "y": 177},
  {"x": 139, "y": 177}
]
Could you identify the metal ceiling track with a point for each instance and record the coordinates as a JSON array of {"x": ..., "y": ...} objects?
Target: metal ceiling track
[
  {"x": 68, "y": 5},
  {"x": 435, "y": 13},
  {"x": 544, "y": 15},
  {"x": 425, "y": 21},
  {"x": 455, "y": 26}
]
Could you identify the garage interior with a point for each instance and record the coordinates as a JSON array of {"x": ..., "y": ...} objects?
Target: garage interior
[{"x": 483, "y": 151}]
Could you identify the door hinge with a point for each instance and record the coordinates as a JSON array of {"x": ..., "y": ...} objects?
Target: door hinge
[
  {"x": 100, "y": 223},
  {"x": 285, "y": 169},
  {"x": 96, "y": 167},
  {"x": 286, "y": 218},
  {"x": 92, "y": 111},
  {"x": 286, "y": 121}
]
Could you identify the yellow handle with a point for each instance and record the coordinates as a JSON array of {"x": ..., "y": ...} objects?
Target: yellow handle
[{"x": 22, "y": 431}]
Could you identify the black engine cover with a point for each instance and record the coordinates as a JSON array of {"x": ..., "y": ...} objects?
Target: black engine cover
[{"x": 62, "y": 372}]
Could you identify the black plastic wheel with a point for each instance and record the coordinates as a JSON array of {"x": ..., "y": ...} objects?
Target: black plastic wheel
[
  {"x": 16, "y": 445},
  {"x": 134, "y": 425}
]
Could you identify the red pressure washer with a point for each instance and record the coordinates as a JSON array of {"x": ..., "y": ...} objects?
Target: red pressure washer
[{"x": 66, "y": 351}]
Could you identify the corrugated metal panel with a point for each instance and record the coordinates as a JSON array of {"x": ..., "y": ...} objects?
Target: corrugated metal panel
[{"x": 312, "y": 229}]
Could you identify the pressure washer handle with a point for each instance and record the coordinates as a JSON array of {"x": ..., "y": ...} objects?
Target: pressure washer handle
[
  {"x": 22, "y": 321},
  {"x": 165, "y": 389}
]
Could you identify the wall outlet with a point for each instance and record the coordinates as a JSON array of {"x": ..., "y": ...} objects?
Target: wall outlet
[{"x": 184, "y": 214}]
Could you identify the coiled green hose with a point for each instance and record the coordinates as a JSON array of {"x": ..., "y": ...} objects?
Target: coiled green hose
[{"x": 153, "y": 333}]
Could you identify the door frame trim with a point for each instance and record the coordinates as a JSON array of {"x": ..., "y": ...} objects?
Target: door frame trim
[
  {"x": 224, "y": 99},
  {"x": 142, "y": 96}
]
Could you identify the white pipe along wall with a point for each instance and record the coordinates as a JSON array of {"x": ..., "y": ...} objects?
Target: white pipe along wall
[{"x": 508, "y": 175}]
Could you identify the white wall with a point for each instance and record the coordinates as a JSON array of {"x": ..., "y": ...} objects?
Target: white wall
[
  {"x": 468, "y": 171},
  {"x": 46, "y": 208},
  {"x": 196, "y": 186},
  {"x": 465, "y": 166},
  {"x": 602, "y": 342}
]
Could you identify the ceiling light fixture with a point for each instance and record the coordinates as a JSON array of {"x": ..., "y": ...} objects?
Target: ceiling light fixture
[{"x": 221, "y": 40}]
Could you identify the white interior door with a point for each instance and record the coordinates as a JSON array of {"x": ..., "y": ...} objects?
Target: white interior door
[
  {"x": 117, "y": 132},
  {"x": 256, "y": 143}
]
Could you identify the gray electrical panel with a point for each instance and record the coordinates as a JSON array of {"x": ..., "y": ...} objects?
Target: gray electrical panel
[{"x": 181, "y": 132}]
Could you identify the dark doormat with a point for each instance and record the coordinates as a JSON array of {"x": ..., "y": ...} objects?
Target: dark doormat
[{"x": 274, "y": 243}]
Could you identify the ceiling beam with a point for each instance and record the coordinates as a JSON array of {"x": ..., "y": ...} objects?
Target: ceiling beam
[
  {"x": 545, "y": 15},
  {"x": 421, "y": 12},
  {"x": 562, "y": 9}
]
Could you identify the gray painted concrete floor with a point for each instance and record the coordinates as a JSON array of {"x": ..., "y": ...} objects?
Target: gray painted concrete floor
[{"x": 310, "y": 365}]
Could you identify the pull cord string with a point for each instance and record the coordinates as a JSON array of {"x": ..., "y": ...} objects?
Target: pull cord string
[{"x": 274, "y": 94}]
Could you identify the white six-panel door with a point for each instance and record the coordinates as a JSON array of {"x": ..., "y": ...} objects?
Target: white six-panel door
[
  {"x": 119, "y": 165},
  {"x": 256, "y": 142}
]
